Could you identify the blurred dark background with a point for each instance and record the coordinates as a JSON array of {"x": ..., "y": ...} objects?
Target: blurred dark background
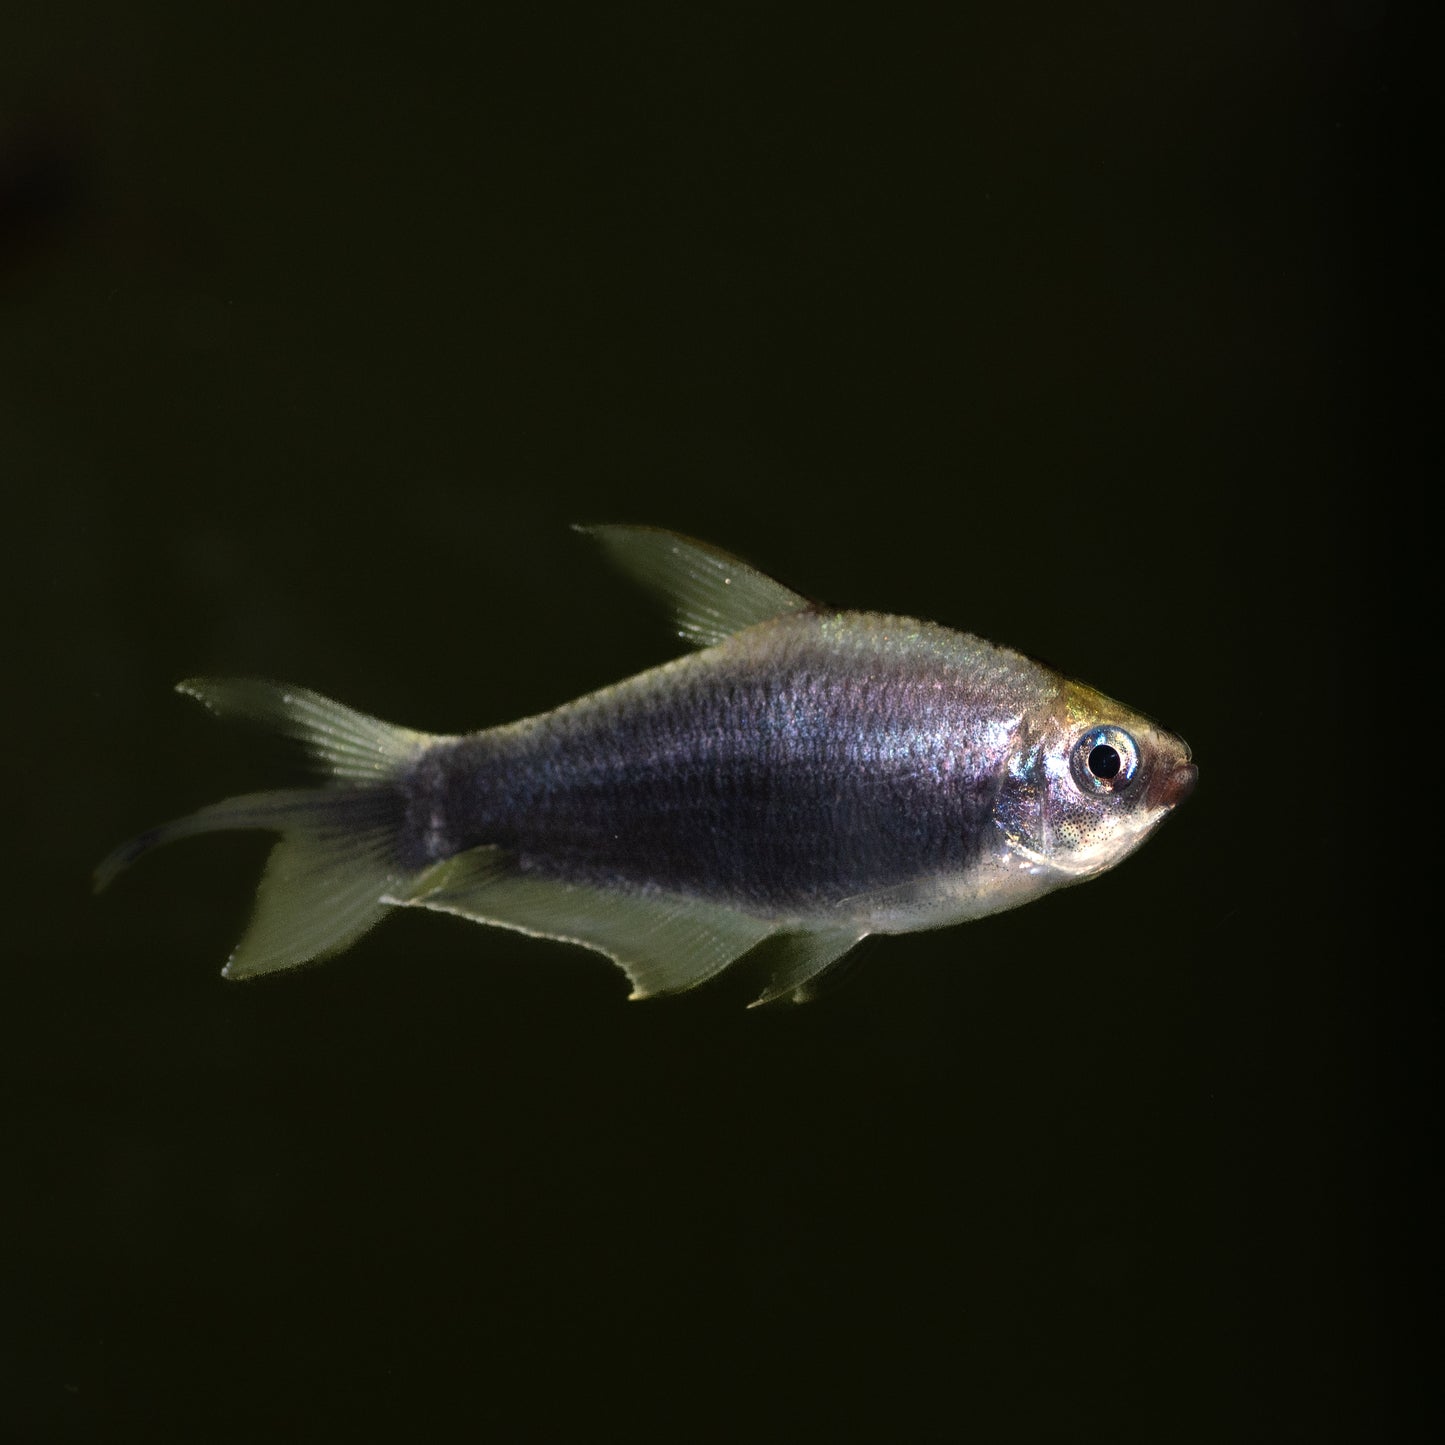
[{"x": 1075, "y": 328}]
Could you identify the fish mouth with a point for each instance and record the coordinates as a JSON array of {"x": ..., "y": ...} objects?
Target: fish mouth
[{"x": 1171, "y": 788}]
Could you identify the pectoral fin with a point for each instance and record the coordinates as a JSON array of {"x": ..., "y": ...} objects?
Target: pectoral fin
[
  {"x": 712, "y": 594},
  {"x": 663, "y": 942}
]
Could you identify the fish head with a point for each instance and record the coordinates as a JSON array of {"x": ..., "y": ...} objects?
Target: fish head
[{"x": 1087, "y": 783}]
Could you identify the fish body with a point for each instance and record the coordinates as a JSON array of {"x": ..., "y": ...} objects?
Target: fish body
[
  {"x": 809, "y": 767},
  {"x": 810, "y": 775}
]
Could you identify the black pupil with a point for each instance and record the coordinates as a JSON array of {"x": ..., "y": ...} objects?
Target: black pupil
[{"x": 1104, "y": 762}]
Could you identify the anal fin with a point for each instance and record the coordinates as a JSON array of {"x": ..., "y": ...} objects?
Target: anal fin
[{"x": 665, "y": 943}]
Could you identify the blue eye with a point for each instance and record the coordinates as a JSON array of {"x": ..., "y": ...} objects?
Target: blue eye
[{"x": 1104, "y": 760}]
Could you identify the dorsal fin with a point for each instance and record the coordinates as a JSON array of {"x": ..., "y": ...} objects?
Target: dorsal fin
[{"x": 711, "y": 593}]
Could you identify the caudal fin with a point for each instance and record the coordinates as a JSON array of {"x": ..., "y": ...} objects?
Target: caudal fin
[{"x": 342, "y": 847}]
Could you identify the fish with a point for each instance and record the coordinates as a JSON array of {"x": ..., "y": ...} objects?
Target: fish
[{"x": 805, "y": 778}]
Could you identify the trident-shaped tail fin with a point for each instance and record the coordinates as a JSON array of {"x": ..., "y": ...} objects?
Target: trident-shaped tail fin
[{"x": 342, "y": 846}]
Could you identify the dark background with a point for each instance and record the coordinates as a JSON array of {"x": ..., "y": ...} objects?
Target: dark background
[{"x": 1075, "y": 328}]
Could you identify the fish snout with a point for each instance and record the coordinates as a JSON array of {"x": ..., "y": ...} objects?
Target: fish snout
[{"x": 1171, "y": 788}]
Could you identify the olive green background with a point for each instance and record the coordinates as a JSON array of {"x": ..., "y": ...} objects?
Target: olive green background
[{"x": 1068, "y": 327}]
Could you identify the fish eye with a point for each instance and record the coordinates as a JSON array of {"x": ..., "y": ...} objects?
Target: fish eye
[{"x": 1104, "y": 760}]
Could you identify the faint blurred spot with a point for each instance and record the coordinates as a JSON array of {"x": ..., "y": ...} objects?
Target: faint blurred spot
[
  {"x": 1360, "y": 14},
  {"x": 46, "y": 188}
]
